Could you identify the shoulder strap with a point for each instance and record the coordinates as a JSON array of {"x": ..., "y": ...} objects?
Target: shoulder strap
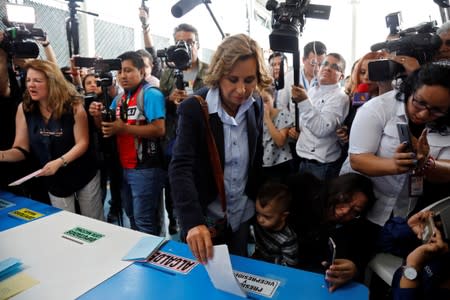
[
  {"x": 140, "y": 96},
  {"x": 213, "y": 154}
]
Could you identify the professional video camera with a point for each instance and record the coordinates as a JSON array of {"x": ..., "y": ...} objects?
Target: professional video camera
[
  {"x": 103, "y": 68},
  {"x": 19, "y": 31},
  {"x": 288, "y": 20},
  {"x": 420, "y": 42},
  {"x": 179, "y": 58}
]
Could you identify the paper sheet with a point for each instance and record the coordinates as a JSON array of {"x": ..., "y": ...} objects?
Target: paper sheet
[
  {"x": 221, "y": 274},
  {"x": 28, "y": 177},
  {"x": 16, "y": 284},
  {"x": 143, "y": 249},
  {"x": 64, "y": 269}
]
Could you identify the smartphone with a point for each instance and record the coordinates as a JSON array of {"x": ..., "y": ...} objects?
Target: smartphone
[
  {"x": 330, "y": 259},
  {"x": 428, "y": 230},
  {"x": 404, "y": 135},
  {"x": 331, "y": 251}
]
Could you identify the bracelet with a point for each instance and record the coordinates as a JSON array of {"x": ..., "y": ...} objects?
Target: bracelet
[
  {"x": 64, "y": 161},
  {"x": 428, "y": 165},
  {"x": 3, "y": 156},
  {"x": 145, "y": 27},
  {"x": 45, "y": 45}
]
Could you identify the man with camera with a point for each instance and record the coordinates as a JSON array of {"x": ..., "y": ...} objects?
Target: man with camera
[
  {"x": 321, "y": 110},
  {"x": 136, "y": 118},
  {"x": 191, "y": 79}
]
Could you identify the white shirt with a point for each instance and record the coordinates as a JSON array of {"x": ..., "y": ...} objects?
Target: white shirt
[
  {"x": 374, "y": 130},
  {"x": 283, "y": 99},
  {"x": 318, "y": 119},
  {"x": 239, "y": 206}
]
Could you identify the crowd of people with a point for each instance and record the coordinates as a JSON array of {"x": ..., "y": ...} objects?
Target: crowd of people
[{"x": 225, "y": 154}]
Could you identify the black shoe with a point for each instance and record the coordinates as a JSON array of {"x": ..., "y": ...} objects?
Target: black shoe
[{"x": 173, "y": 228}]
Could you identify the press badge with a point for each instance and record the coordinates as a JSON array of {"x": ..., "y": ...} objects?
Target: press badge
[{"x": 415, "y": 185}]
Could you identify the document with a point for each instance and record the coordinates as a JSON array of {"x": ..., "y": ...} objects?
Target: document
[
  {"x": 28, "y": 177},
  {"x": 221, "y": 274},
  {"x": 145, "y": 248}
]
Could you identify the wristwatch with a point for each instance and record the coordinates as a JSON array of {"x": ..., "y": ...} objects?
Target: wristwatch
[{"x": 409, "y": 273}]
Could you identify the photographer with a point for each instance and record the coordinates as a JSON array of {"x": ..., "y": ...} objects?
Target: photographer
[
  {"x": 193, "y": 75},
  {"x": 136, "y": 118},
  {"x": 106, "y": 149}
]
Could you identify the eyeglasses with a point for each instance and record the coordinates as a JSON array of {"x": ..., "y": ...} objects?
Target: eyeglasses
[
  {"x": 335, "y": 67},
  {"x": 190, "y": 43},
  {"x": 421, "y": 105}
]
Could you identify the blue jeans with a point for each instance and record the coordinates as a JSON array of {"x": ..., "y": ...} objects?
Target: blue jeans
[
  {"x": 141, "y": 189},
  {"x": 323, "y": 171}
]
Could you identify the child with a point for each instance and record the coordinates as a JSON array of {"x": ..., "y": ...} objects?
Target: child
[{"x": 276, "y": 242}]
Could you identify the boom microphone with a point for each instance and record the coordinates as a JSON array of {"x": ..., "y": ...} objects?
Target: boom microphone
[{"x": 182, "y": 7}]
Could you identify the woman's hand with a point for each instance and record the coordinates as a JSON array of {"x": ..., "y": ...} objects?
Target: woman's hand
[
  {"x": 404, "y": 161},
  {"x": 420, "y": 256},
  {"x": 339, "y": 273},
  {"x": 51, "y": 167},
  {"x": 200, "y": 243},
  {"x": 422, "y": 148},
  {"x": 417, "y": 222}
]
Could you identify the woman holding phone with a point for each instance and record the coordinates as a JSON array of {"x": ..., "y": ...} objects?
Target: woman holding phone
[{"x": 422, "y": 101}]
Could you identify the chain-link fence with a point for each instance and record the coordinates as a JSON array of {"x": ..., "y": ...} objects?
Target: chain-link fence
[{"x": 109, "y": 39}]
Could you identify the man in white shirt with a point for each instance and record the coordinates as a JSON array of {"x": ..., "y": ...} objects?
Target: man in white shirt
[{"x": 321, "y": 110}]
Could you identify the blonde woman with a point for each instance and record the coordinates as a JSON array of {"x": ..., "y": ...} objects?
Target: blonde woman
[
  {"x": 52, "y": 125},
  {"x": 236, "y": 119}
]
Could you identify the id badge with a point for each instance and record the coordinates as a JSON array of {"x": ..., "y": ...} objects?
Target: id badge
[{"x": 415, "y": 185}]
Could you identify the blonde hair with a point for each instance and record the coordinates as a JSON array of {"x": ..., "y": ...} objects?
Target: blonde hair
[
  {"x": 61, "y": 93},
  {"x": 232, "y": 49}
]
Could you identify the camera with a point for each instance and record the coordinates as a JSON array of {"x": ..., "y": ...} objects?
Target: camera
[
  {"x": 288, "y": 20},
  {"x": 420, "y": 42},
  {"x": 177, "y": 56},
  {"x": 102, "y": 68},
  {"x": 108, "y": 115},
  {"x": 19, "y": 31}
]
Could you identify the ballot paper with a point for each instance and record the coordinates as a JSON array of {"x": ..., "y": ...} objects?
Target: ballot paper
[
  {"x": 221, "y": 274},
  {"x": 28, "y": 177}
]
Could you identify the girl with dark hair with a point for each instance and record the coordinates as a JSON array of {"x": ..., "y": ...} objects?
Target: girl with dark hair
[
  {"x": 396, "y": 169},
  {"x": 332, "y": 209}
]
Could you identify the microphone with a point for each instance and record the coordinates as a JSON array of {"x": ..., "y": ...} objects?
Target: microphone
[
  {"x": 361, "y": 95},
  {"x": 182, "y": 7}
]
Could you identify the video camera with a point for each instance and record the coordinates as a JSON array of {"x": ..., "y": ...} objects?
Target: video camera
[
  {"x": 420, "y": 42},
  {"x": 19, "y": 23},
  {"x": 288, "y": 20},
  {"x": 102, "y": 68},
  {"x": 179, "y": 58}
]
